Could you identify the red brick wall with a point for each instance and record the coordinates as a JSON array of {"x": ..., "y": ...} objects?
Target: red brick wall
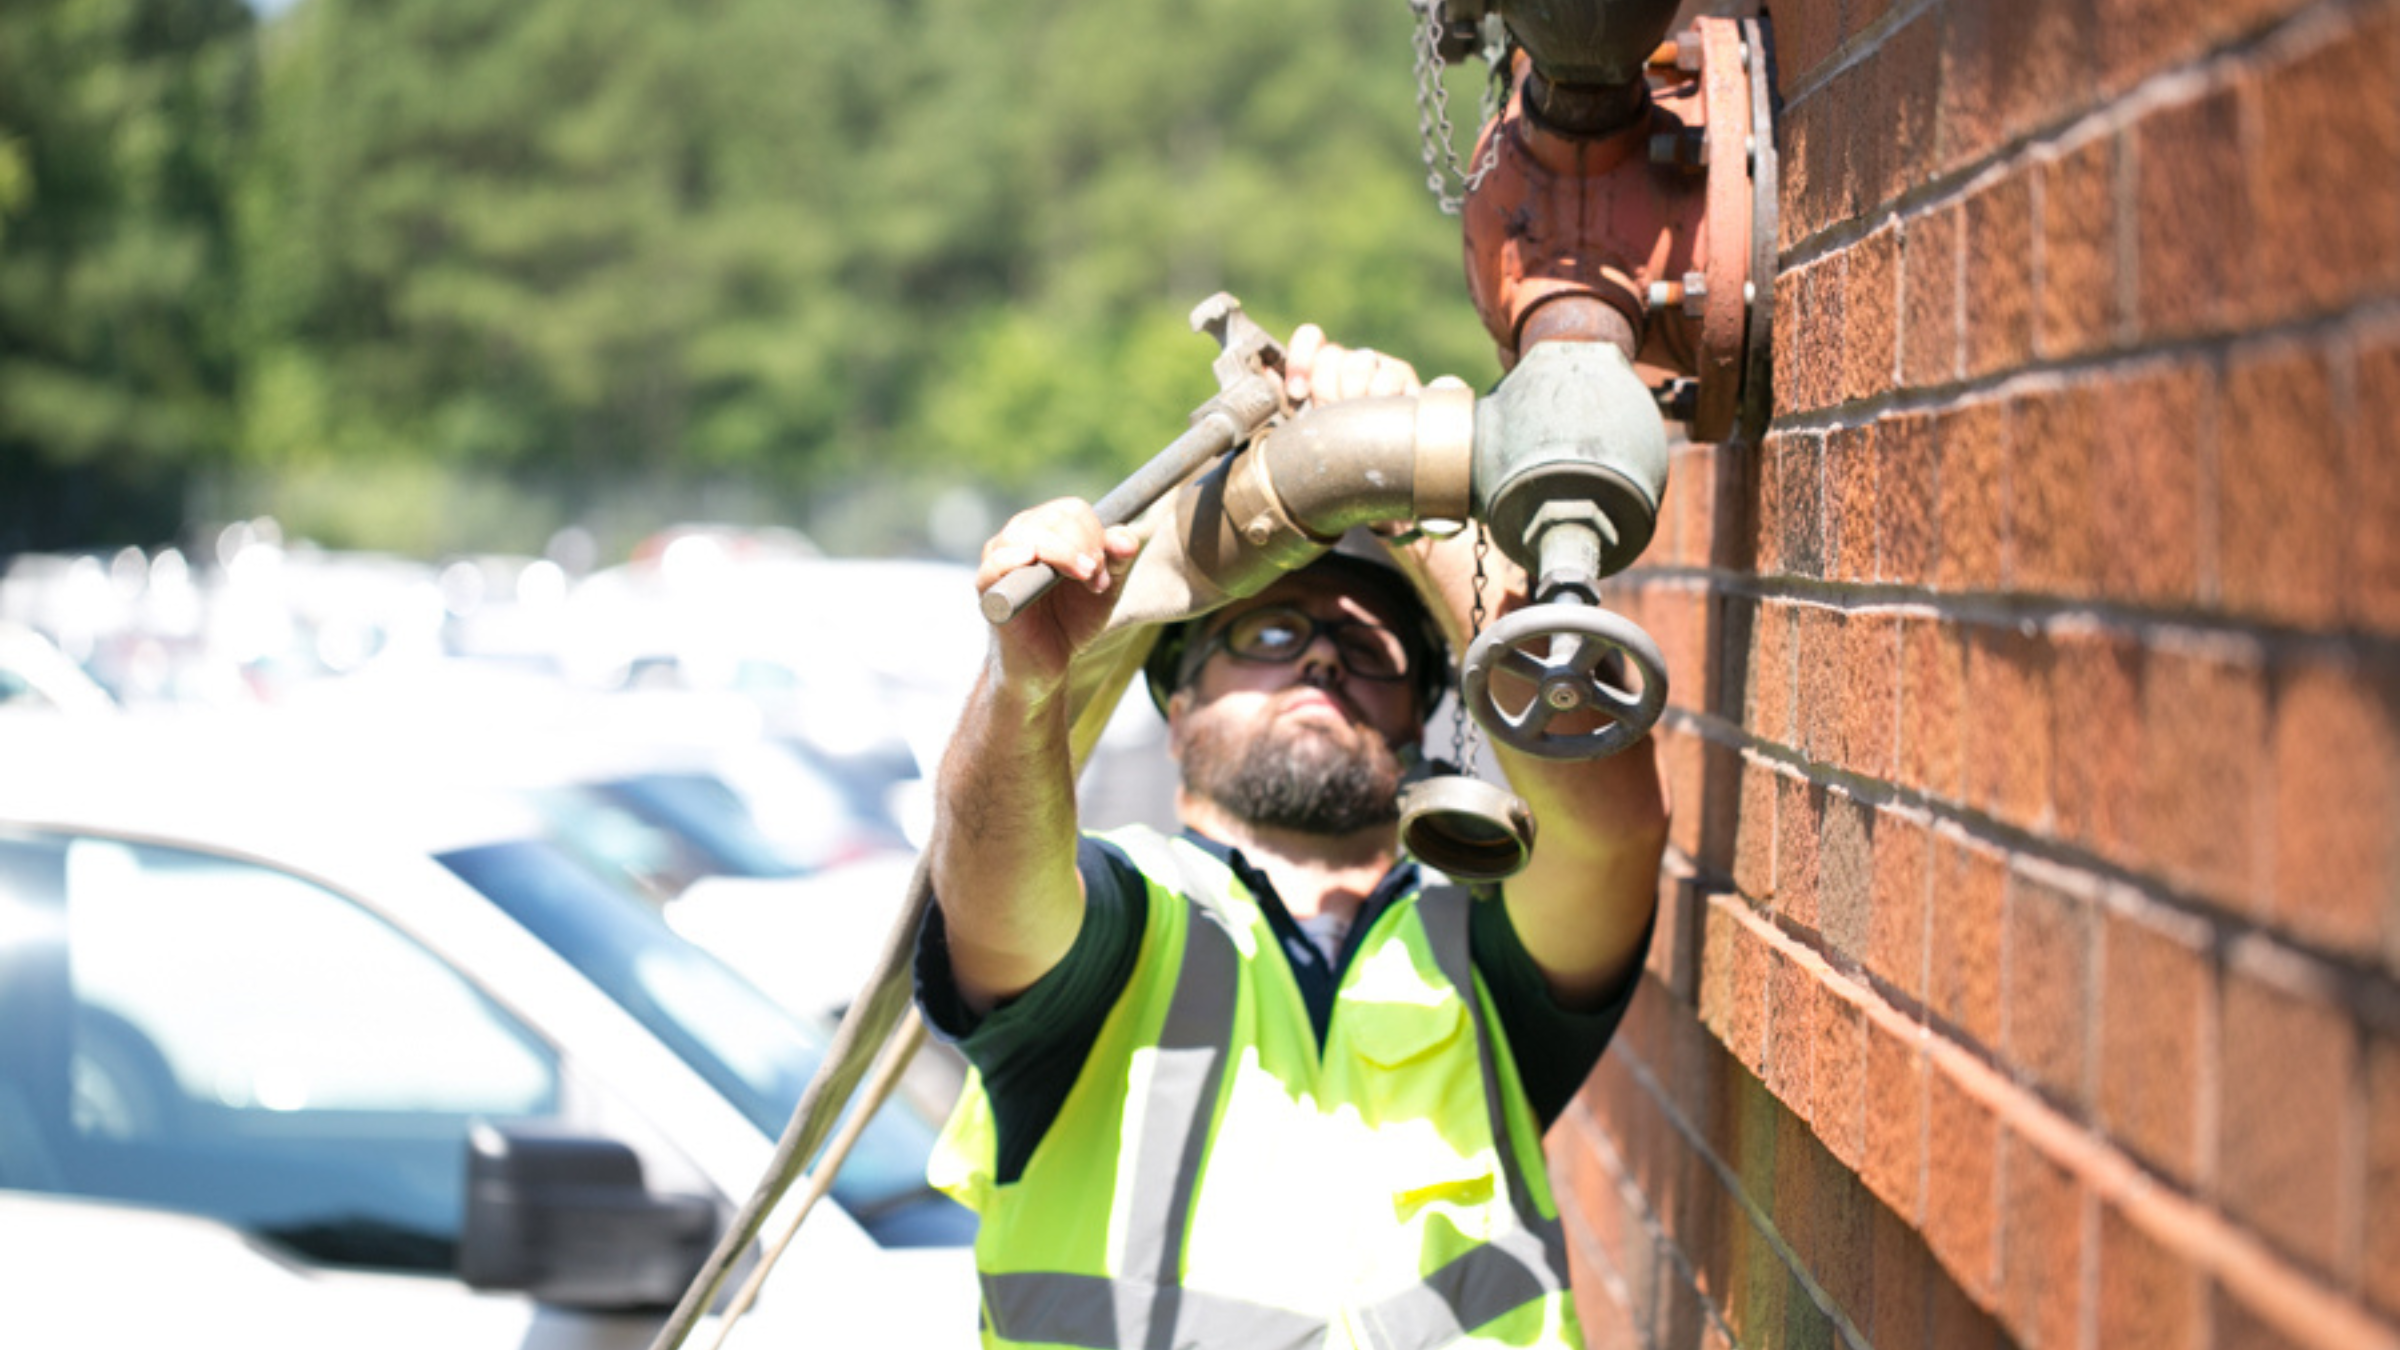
[{"x": 2027, "y": 967}]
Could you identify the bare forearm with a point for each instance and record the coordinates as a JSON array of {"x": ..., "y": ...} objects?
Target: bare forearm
[
  {"x": 1003, "y": 849},
  {"x": 1583, "y": 901}
]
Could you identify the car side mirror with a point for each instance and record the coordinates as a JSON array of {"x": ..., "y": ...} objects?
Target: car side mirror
[{"x": 568, "y": 1219}]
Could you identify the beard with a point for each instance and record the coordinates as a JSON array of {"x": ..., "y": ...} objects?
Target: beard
[{"x": 1311, "y": 783}]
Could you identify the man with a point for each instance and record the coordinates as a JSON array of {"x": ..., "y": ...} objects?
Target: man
[{"x": 1250, "y": 1087}]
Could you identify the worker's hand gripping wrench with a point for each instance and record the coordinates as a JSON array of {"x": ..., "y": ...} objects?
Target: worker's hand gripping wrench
[{"x": 1249, "y": 370}]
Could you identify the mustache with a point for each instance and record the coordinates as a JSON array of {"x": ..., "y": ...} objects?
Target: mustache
[{"x": 1332, "y": 686}]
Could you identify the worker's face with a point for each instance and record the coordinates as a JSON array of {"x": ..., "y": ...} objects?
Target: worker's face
[{"x": 1304, "y": 744}]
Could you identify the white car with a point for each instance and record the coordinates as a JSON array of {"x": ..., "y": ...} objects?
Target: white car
[{"x": 274, "y": 1066}]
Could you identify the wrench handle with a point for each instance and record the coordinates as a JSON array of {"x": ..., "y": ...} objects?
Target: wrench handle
[{"x": 1223, "y": 423}]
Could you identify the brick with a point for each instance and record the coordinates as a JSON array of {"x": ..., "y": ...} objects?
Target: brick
[
  {"x": 1679, "y": 1319},
  {"x": 2155, "y": 992},
  {"x": 2008, "y": 750},
  {"x": 1964, "y": 980},
  {"x": 1683, "y": 761},
  {"x": 1896, "y": 1084},
  {"x": 1962, "y": 1184},
  {"x": 2044, "y": 62},
  {"x": 1871, "y": 313},
  {"x": 1901, "y": 1316},
  {"x": 1682, "y": 631},
  {"x": 1821, "y": 682},
  {"x": 1906, "y": 499},
  {"x": 2049, "y": 995},
  {"x": 1999, "y": 275},
  {"x": 2149, "y": 1298},
  {"x": 2204, "y": 724},
  {"x": 1809, "y": 147},
  {"x": 2372, "y": 555},
  {"x": 2138, "y": 38},
  {"x": 1904, "y": 75},
  {"x": 1799, "y": 821},
  {"x": 1972, "y": 477},
  {"x": 1720, "y": 948},
  {"x": 1792, "y": 388},
  {"x": 2284, "y": 1112},
  {"x": 2053, "y": 536},
  {"x": 1767, "y": 709},
  {"x": 2096, "y": 685},
  {"x": 1766, "y": 535},
  {"x": 1754, "y": 835},
  {"x": 1870, "y": 694},
  {"x": 1896, "y": 932},
  {"x": 1931, "y": 338},
  {"x": 1806, "y": 35},
  {"x": 1823, "y": 316},
  {"x": 1691, "y": 505},
  {"x": 1851, "y": 460},
  {"x": 1745, "y": 1032},
  {"x": 2382, "y": 1239},
  {"x": 1838, "y": 1078},
  {"x": 1717, "y": 803},
  {"x": 1792, "y": 1038},
  {"x": 2237, "y": 1323},
  {"x": 2147, "y": 485},
  {"x": 1959, "y": 1322},
  {"x": 2329, "y": 134},
  {"x": 1754, "y": 1276},
  {"x": 1972, "y": 72},
  {"x": 2282, "y": 516},
  {"x": 1795, "y": 1205},
  {"x": 1799, "y": 511},
  {"x": 2192, "y": 223},
  {"x": 1844, "y": 1265},
  {"x": 1846, "y": 875},
  {"x": 2081, "y": 273},
  {"x": 1933, "y": 679},
  {"x": 1855, "y": 97},
  {"x": 2337, "y": 804},
  {"x": 2042, "y": 1249}
]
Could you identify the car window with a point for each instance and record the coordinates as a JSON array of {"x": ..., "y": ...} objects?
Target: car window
[
  {"x": 210, "y": 1035},
  {"x": 750, "y": 1048}
]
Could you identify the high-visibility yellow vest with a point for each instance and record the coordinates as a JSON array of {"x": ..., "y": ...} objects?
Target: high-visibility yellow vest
[{"x": 1212, "y": 1180}]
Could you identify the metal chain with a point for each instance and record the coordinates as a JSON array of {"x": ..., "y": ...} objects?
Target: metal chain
[
  {"x": 1436, "y": 139},
  {"x": 1475, "y": 612}
]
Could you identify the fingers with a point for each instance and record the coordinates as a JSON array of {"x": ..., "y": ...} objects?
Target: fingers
[
  {"x": 1067, "y": 535},
  {"x": 1319, "y": 371},
  {"x": 1300, "y": 360}
]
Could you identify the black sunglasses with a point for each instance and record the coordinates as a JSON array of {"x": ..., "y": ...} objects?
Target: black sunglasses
[{"x": 1278, "y": 635}]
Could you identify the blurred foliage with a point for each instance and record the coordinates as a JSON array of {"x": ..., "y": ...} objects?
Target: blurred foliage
[
  {"x": 122, "y": 126},
  {"x": 567, "y": 251}
]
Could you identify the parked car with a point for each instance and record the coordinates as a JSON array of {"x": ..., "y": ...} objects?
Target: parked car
[{"x": 310, "y": 1058}]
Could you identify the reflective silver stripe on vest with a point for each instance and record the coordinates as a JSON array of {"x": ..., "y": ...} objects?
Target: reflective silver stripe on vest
[
  {"x": 1512, "y": 1269},
  {"x": 1099, "y": 1313},
  {"x": 1148, "y": 1309}
]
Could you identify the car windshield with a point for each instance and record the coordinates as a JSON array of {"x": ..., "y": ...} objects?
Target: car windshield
[{"x": 759, "y": 1055}]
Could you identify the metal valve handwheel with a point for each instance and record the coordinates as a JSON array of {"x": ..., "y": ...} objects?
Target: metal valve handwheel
[{"x": 1558, "y": 648}]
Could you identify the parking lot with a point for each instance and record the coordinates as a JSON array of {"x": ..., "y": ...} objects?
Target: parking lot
[{"x": 343, "y": 900}]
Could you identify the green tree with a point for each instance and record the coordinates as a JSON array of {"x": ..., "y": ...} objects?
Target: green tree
[
  {"x": 120, "y": 125},
  {"x": 608, "y": 245}
]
